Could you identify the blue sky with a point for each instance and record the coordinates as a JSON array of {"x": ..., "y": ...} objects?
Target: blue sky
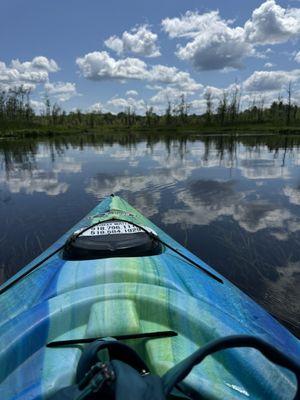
[{"x": 108, "y": 55}]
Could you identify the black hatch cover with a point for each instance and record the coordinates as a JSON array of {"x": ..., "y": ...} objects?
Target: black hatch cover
[{"x": 111, "y": 239}]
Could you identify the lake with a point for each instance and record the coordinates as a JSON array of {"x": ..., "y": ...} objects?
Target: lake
[{"x": 233, "y": 201}]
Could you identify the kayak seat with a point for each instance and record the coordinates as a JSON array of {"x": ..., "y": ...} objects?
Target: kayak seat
[{"x": 123, "y": 375}]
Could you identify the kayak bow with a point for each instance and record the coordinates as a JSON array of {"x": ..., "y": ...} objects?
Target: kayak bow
[{"x": 116, "y": 274}]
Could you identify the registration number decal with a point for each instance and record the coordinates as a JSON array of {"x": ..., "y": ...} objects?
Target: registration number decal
[{"x": 112, "y": 228}]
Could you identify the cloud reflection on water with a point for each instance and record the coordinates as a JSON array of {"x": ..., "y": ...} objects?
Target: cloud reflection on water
[{"x": 236, "y": 203}]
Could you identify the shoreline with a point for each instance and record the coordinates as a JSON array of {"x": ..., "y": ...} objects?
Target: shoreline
[{"x": 163, "y": 131}]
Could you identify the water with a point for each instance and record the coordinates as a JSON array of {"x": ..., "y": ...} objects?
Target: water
[{"x": 235, "y": 202}]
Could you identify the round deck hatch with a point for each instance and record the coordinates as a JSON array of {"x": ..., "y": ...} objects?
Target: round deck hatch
[{"x": 111, "y": 239}]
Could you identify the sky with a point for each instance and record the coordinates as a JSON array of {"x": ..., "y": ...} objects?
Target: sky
[{"x": 108, "y": 55}]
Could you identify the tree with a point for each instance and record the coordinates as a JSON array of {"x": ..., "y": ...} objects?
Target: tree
[
  {"x": 47, "y": 108},
  {"x": 260, "y": 109},
  {"x": 182, "y": 108},
  {"x": 78, "y": 116},
  {"x": 289, "y": 104},
  {"x": 130, "y": 116},
  {"x": 222, "y": 108},
  {"x": 209, "y": 103},
  {"x": 149, "y": 115},
  {"x": 168, "y": 113},
  {"x": 2, "y": 105},
  {"x": 56, "y": 110},
  {"x": 234, "y": 106},
  {"x": 29, "y": 113}
]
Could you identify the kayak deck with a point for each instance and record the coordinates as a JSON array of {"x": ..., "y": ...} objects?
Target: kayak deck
[{"x": 63, "y": 300}]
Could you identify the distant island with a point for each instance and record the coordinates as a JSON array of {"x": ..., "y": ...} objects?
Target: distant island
[{"x": 17, "y": 117}]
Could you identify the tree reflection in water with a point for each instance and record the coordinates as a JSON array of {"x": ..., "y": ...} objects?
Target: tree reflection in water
[{"x": 234, "y": 201}]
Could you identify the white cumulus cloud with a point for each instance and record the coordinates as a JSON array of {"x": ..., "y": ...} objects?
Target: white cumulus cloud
[
  {"x": 189, "y": 25},
  {"x": 38, "y": 106},
  {"x": 97, "y": 108},
  {"x": 163, "y": 95},
  {"x": 269, "y": 65},
  {"x": 172, "y": 76},
  {"x": 99, "y": 65},
  {"x": 44, "y": 63},
  {"x": 270, "y": 80},
  {"x": 37, "y": 63},
  {"x": 62, "y": 91},
  {"x": 118, "y": 104},
  {"x": 214, "y": 43},
  {"x": 270, "y": 24},
  {"x": 131, "y": 93},
  {"x": 28, "y": 73},
  {"x": 140, "y": 41}
]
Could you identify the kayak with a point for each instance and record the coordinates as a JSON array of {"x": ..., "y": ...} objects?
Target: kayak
[{"x": 116, "y": 274}]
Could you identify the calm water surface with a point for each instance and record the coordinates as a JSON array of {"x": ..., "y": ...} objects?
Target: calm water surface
[{"x": 235, "y": 202}]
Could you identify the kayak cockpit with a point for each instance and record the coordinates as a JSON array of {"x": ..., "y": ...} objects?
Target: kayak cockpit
[{"x": 110, "y": 369}]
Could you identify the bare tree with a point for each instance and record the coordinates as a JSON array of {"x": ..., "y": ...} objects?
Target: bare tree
[
  {"x": 56, "y": 110},
  {"x": 260, "y": 109},
  {"x": 209, "y": 105},
  {"x": 168, "y": 112},
  {"x": 222, "y": 108},
  {"x": 289, "y": 104},
  {"x": 149, "y": 115},
  {"x": 234, "y": 106},
  {"x": 47, "y": 107},
  {"x": 182, "y": 108}
]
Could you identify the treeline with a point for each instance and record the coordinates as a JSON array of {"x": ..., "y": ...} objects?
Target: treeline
[
  {"x": 15, "y": 107},
  {"x": 229, "y": 110},
  {"x": 16, "y": 112}
]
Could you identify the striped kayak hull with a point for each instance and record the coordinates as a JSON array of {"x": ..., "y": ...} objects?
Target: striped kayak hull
[{"x": 62, "y": 300}]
